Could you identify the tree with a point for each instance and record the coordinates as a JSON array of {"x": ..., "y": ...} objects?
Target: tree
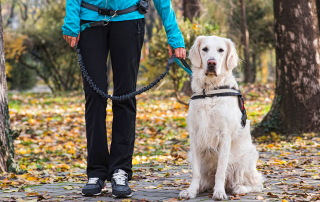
[
  {"x": 318, "y": 10},
  {"x": 191, "y": 9},
  {"x": 296, "y": 105},
  {"x": 44, "y": 50},
  {"x": 245, "y": 41},
  {"x": 6, "y": 135}
]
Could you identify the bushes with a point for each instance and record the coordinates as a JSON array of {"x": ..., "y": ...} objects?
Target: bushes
[
  {"x": 22, "y": 78},
  {"x": 18, "y": 77}
]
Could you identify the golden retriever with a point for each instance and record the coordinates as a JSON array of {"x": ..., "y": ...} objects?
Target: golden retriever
[{"x": 222, "y": 155}]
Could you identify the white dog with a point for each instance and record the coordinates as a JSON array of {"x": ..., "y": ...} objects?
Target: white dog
[{"x": 222, "y": 154}]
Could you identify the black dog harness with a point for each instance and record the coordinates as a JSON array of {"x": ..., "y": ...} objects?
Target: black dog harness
[{"x": 222, "y": 92}]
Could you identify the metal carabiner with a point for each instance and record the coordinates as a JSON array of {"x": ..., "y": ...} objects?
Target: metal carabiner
[{"x": 114, "y": 15}]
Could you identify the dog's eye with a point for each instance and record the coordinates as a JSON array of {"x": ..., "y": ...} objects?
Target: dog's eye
[
  {"x": 205, "y": 49},
  {"x": 220, "y": 50}
]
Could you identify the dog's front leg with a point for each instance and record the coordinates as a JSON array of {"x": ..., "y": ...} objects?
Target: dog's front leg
[
  {"x": 193, "y": 189},
  {"x": 223, "y": 159}
]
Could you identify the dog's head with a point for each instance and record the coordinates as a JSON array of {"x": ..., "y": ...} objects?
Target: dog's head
[{"x": 214, "y": 55}]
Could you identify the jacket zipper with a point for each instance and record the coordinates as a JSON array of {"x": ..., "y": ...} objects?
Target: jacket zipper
[{"x": 105, "y": 17}]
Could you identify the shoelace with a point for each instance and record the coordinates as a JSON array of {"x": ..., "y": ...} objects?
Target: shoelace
[
  {"x": 120, "y": 178},
  {"x": 93, "y": 180}
]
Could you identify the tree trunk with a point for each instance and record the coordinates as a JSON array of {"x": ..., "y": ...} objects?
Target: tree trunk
[
  {"x": 318, "y": 10},
  {"x": 245, "y": 41},
  {"x": 254, "y": 68},
  {"x": 6, "y": 139},
  {"x": 191, "y": 9},
  {"x": 295, "y": 108}
]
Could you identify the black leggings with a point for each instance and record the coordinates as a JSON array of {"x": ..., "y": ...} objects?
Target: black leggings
[{"x": 124, "y": 40}]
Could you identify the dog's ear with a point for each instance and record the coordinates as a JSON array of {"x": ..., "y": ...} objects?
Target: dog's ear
[
  {"x": 232, "y": 58},
  {"x": 194, "y": 53}
]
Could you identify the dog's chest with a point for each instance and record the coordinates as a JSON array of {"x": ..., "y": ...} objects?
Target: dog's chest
[
  {"x": 214, "y": 108},
  {"x": 210, "y": 118}
]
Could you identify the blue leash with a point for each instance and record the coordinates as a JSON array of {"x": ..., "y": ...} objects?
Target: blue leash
[{"x": 183, "y": 64}]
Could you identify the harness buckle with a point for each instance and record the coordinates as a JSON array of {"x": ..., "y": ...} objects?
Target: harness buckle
[{"x": 104, "y": 11}]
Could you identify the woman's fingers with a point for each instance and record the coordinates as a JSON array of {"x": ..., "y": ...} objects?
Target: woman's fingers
[
  {"x": 73, "y": 41},
  {"x": 180, "y": 53},
  {"x": 184, "y": 54},
  {"x": 69, "y": 40},
  {"x": 177, "y": 52}
]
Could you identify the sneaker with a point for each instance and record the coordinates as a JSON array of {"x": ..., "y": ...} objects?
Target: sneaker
[
  {"x": 93, "y": 187},
  {"x": 119, "y": 183}
]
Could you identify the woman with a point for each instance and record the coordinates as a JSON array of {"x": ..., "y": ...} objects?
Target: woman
[{"x": 122, "y": 34}]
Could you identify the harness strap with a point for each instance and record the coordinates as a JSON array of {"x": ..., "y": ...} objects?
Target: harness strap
[
  {"x": 109, "y": 12},
  {"x": 217, "y": 92},
  {"x": 222, "y": 92}
]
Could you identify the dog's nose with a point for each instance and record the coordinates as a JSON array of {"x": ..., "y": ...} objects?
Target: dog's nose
[{"x": 212, "y": 62}]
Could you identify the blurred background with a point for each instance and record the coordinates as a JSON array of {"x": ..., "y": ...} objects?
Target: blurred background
[
  {"x": 38, "y": 59},
  {"x": 42, "y": 125}
]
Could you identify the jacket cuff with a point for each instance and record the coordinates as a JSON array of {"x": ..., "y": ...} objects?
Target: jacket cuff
[
  {"x": 70, "y": 33},
  {"x": 179, "y": 44}
]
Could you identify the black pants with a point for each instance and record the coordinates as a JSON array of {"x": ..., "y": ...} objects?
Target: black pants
[{"x": 124, "y": 40}]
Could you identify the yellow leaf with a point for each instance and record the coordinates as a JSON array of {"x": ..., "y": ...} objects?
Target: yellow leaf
[
  {"x": 32, "y": 179},
  {"x": 68, "y": 187},
  {"x": 135, "y": 161}
]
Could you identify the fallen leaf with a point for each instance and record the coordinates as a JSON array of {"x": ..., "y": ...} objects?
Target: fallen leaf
[
  {"x": 68, "y": 187},
  {"x": 259, "y": 197},
  {"x": 32, "y": 194}
]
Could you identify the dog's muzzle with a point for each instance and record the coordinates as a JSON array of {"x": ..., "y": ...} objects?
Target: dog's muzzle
[{"x": 212, "y": 67}]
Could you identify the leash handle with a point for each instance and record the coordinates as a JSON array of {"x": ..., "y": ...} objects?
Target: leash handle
[{"x": 184, "y": 65}]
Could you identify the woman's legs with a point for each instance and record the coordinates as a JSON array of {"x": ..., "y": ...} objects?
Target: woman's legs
[
  {"x": 125, "y": 42},
  {"x": 94, "y": 50}
]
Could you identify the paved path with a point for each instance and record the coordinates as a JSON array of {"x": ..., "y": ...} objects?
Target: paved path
[{"x": 158, "y": 183}]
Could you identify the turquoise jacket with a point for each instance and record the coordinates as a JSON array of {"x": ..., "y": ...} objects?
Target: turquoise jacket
[{"x": 75, "y": 12}]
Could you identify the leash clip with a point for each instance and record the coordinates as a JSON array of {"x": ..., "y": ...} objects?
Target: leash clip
[{"x": 114, "y": 15}]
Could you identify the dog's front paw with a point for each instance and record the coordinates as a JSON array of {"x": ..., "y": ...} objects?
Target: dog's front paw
[
  {"x": 219, "y": 195},
  {"x": 188, "y": 194},
  {"x": 240, "y": 190}
]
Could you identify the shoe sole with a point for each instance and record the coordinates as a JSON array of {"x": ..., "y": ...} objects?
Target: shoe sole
[
  {"x": 122, "y": 196},
  {"x": 91, "y": 194}
]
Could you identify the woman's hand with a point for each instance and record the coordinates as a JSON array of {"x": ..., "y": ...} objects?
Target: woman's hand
[
  {"x": 72, "y": 40},
  {"x": 179, "y": 52}
]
